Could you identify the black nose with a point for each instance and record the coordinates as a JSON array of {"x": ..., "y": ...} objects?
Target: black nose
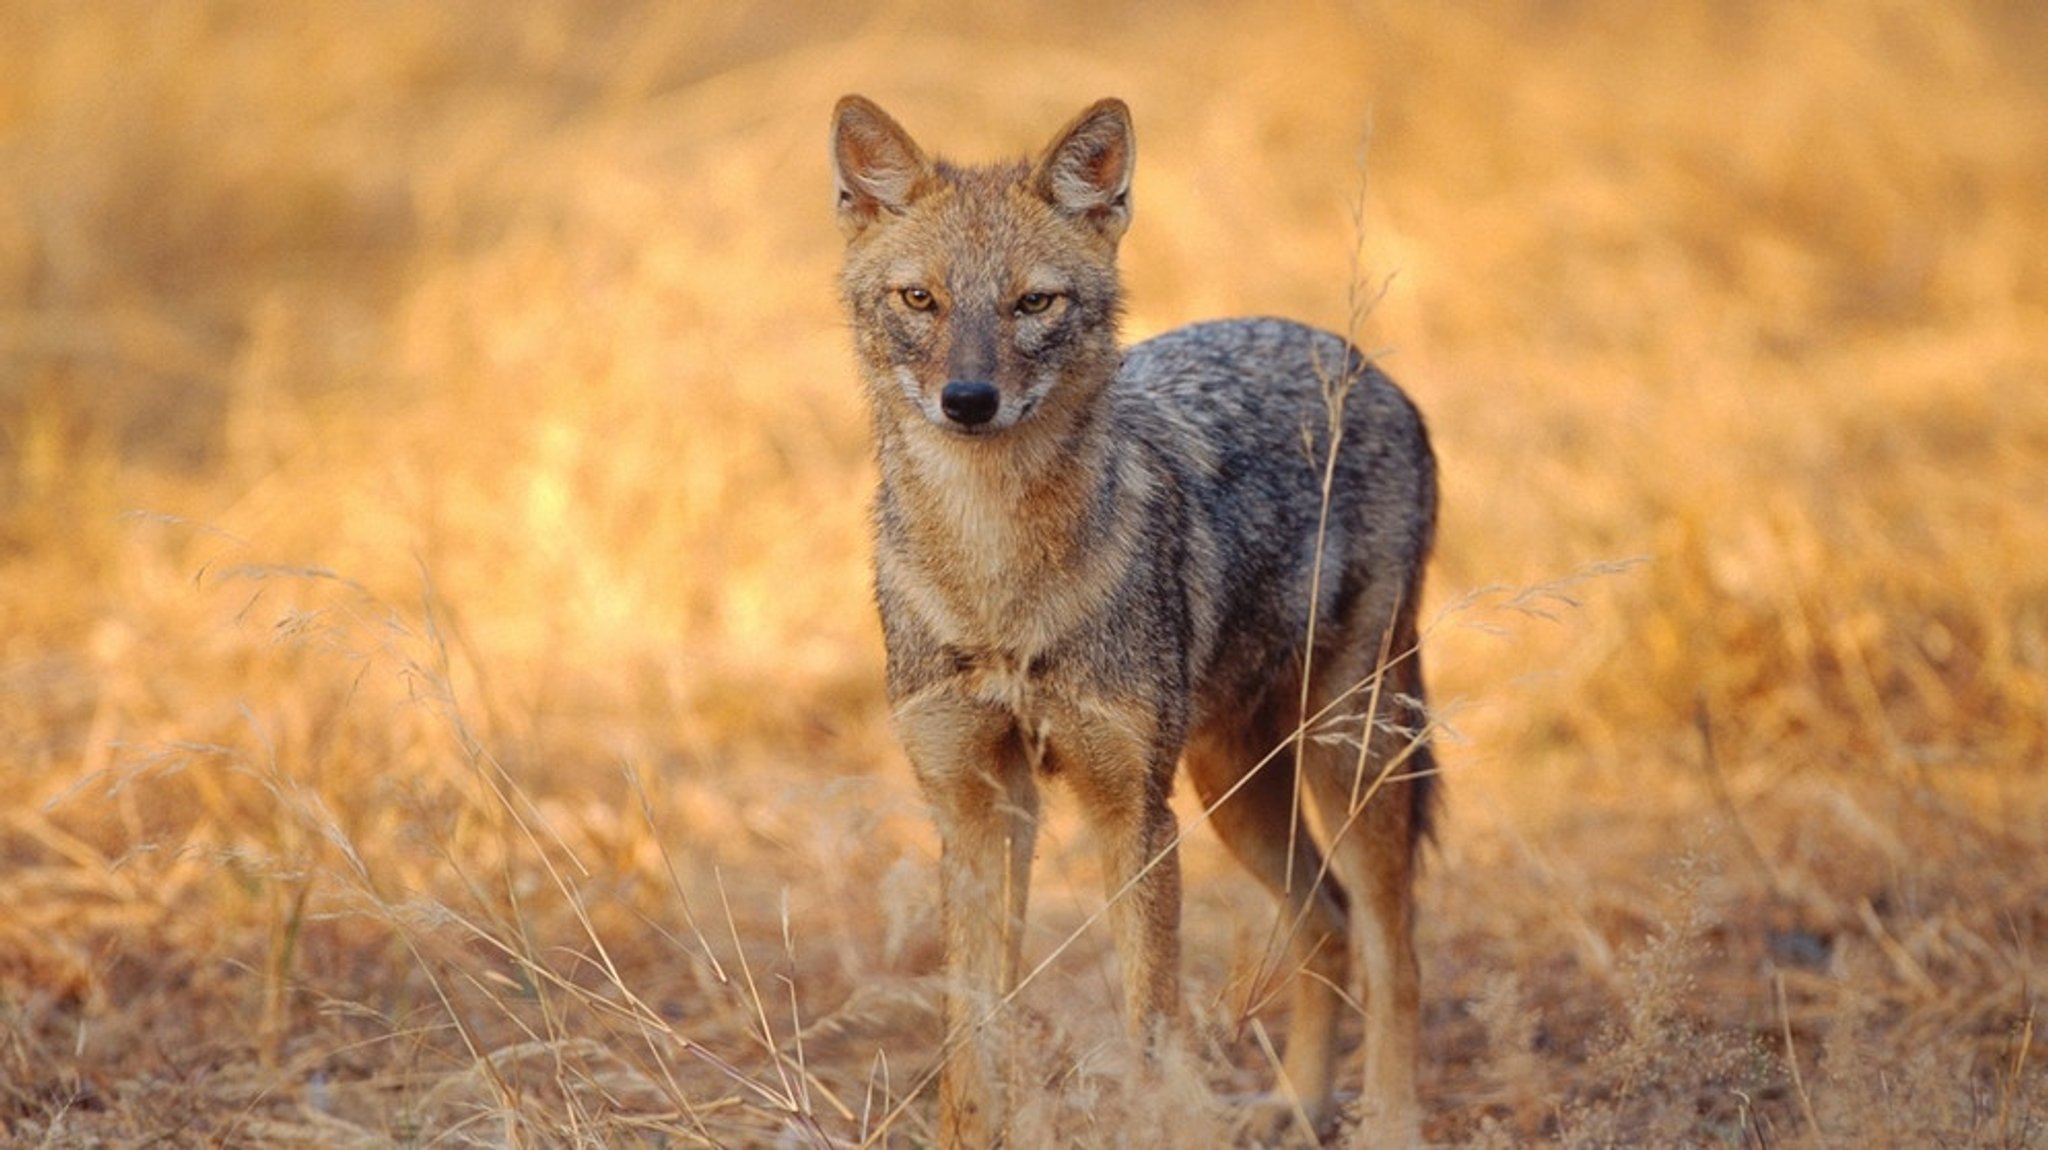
[{"x": 969, "y": 403}]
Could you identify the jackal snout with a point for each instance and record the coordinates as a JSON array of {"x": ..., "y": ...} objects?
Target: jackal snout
[
  {"x": 987, "y": 366},
  {"x": 970, "y": 402}
]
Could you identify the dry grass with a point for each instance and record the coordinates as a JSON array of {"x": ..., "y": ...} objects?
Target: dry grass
[{"x": 438, "y": 701}]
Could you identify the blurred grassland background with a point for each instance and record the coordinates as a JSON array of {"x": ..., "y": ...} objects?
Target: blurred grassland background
[{"x": 439, "y": 701}]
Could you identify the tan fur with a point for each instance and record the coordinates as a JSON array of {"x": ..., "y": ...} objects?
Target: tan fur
[{"x": 1091, "y": 567}]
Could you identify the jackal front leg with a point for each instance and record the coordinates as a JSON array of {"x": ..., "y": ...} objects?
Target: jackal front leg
[
  {"x": 1122, "y": 775},
  {"x": 985, "y": 802}
]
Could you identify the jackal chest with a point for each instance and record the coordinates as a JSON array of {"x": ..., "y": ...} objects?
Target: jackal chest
[
  {"x": 1048, "y": 712},
  {"x": 996, "y": 599},
  {"x": 1016, "y": 684}
]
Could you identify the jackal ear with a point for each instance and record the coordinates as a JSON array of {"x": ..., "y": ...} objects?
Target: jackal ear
[
  {"x": 1086, "y": 172},
  {"x": 875, "y": 163}
]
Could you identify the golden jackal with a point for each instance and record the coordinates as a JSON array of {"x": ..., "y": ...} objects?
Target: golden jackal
[{"x": 1094, "y": 563}]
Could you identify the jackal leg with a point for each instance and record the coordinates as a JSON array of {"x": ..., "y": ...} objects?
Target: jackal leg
[
  {"x": 1121, "y": 781},
  {"x": 985, "y": 803},
  {"x": 1141, "y": 874},
  {"x": 1259, "y": 824},
  {"x": 1383, "y": 939},
  {"x": 1368, "y": 809}
]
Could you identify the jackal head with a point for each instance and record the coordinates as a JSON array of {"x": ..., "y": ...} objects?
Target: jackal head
[{"x": 983, "y": 297}]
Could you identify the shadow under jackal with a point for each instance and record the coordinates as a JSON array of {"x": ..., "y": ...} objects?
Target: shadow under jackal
[{"x": 1094, "y": 563}]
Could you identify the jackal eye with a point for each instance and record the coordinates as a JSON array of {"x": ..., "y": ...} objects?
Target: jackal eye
[
  {"x": 918, "y": 299},
  {"x": 1035, "y": 302}
]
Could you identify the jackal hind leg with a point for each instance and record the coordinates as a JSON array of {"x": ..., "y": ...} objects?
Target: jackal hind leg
[
  {"x": 1260, "y": 824},
  {"x": 1367, "y": 804}
]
